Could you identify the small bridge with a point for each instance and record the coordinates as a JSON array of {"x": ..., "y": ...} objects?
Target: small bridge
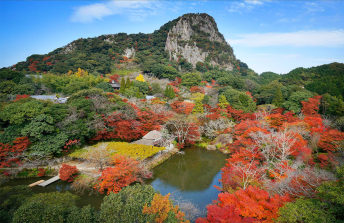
[{"x": 51, "y": 180}]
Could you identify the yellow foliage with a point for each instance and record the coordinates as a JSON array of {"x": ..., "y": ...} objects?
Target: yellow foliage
[
  {"x": 140, "y": 78},
  {"x": 134, "y": 151},
  {"x": 81, "y": 73},
  {"x": 161, "y": 206},
  {"x": 197, "y": 96}
]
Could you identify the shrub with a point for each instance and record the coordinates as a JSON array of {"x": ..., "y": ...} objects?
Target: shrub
[
  {"x": 124, "y": 172},
  {"x": 68, "y": 173},
  {"x": 126, "y": 206},
  {"x": 45, "y": 208}
]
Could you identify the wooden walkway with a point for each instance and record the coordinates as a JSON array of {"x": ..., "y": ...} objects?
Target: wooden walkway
[{"x": 51, "y": 180}]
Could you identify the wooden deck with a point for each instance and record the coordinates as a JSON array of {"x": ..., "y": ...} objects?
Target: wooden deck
[
  {"x": 36, "y": 183},
  {"x": 51, "y": 180}
]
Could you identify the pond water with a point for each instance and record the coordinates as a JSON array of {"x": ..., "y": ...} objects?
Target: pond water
[{"x": 189, "y": 177}]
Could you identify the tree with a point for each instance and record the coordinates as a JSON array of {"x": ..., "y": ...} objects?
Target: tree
[
  {"x": 39, "y": 126},
  {"x": 124, "y": 172},
  {"x": 22, "y": 111},
  {"x": 311, "y": 107},
  {"x": 228, "y": 214},
  {"x": 68, "y": 173},
  {"x": 10, "y": 154},
  {"x": 46, "y": 208},
  {"x": 126, "y": 206},
  {"x": 305, "y": 210},
  {"x": 169, "y": 92},
  {"x": 12, "y": 197},
  {"x": 184, "y": 131},
  {"x": 223, "y": 103},
  {"x": 86, "y": 214},
  {"x": 294, "y": 101},
  {"x": 140, "y": 78},
  {"x": 253, "y": 203},
  {"x": 161, "y": 209},
  {"x": 99, "y": 155},
  {"x": 182, "y": 107},
  {"x": 239, "y": 100},
  {"x": 278, "y": 97},
  {"x": 191, "y": 79}
]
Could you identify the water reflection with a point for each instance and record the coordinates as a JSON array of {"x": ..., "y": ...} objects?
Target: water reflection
[{"x": 190, "y": 177}]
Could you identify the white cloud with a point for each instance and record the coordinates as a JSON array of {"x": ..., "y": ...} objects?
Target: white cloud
[
  {"x": 310, "y": 38},
  {"x": 135, "y": 10},
  {"x": 239, "y": 6}
]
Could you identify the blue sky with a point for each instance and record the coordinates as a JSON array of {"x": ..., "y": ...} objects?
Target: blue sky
[{"x": 268, "y": 35}]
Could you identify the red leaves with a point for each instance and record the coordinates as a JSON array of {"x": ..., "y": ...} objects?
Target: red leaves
[
  {"x": 249, "y": 205},
  {"x": 311, "y": 107},
  {"x": 130, "y": 127},
  {"x": 41, "y": 172},
  {"x": 195, "y": 89},
  {"x": 69, "y": 144},
  {"x": 68, "y": 173},
  {"x": 10, "y": 154},
  {"x": 182, "y": 107},
  {"x": 21, "y": 96},
  {"x": 227, "y": 214},
  {"x": 124, "y": 172},
  {"x": 114, "y": 77},
  {"x": 331, "y": 140}
]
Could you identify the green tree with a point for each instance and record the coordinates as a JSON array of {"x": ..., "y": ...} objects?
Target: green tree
[
  {"x": 126, "y": 206},
  {"x": 191, "y": 79},
  {"x": 22, "y": 111},
  {"x": 45, "y": 208},
  {"x": 305, "y": 210},
  {"x": 86, "y": 214},
  {"x": 238, "y": 99},
  {"x": 11, "y": 198},
  {"x": 278, "y": 97},
  {"x": 169, "y": 92},
  {"x": 294, "y": 101},
  {"x": 39, "y": 126}
]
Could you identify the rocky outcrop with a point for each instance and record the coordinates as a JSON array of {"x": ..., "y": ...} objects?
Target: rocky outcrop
[
  {"x": 129, "y": 52},
  {"x": 193, "y": 37}
]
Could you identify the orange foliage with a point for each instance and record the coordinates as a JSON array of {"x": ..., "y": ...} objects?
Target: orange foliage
[
  {"x": 124, "y": 172},
  {"x": 182, "y": 107},
  {"x": 331, "y": 140},
  {"x": 254, "y": 203},
  {"x": 311, "y": 107},
  {"x": 160, "y": 208}
]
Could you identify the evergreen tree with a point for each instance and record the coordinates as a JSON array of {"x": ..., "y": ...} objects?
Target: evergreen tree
[
  {"x": 278, "y": 98},
  {"x": 169, "y": 92},
  {"x": 123, "y": 85}
]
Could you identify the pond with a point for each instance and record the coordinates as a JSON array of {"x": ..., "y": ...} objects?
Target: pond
[{"x": 189, "y": 177}]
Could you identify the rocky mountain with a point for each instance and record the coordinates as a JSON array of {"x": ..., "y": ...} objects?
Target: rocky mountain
[
  {"x": 186, "y": 43},
  {"x": 196, "y": 38}
]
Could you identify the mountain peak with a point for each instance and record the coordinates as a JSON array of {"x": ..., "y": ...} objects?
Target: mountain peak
[
  {"x": 190, "y": 39},
  {"x": 196, "y": 38}
]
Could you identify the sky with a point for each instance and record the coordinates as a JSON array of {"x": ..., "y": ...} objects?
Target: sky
[{"x": 268, "y": 35}]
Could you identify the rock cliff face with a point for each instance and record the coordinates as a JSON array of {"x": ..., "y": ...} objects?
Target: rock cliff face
[{"x": 196, "y": 38}]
